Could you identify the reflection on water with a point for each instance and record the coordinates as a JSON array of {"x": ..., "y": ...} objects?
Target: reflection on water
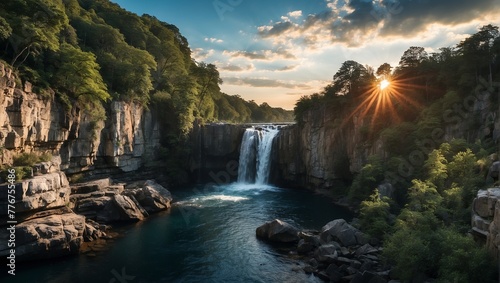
[{"x": 206, "y": 237}]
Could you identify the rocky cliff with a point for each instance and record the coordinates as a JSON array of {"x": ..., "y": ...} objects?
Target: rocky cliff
[
  {"x": 486, "y": 218},
  {"x": 321, "y": 150},
  {"x": 31, "y": 122},
  {"x": 215, "y": 150}
]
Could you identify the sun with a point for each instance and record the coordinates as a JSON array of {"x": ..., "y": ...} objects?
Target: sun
[{"x": 384, "y": 84}]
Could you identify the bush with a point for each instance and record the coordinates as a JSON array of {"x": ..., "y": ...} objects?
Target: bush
[
  {"x": 462, "y": 260},
  {"x": 22, "y": 172},
  {"x": 374, "y": 216},
  {"x": 31, "y": 158},
  {"x": 368, "y": 178}
]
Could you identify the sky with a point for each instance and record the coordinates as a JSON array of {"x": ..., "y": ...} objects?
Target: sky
[{"x": 277, "y": 51}]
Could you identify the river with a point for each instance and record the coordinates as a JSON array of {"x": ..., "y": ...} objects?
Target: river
[{"x": 207, "y": 236}]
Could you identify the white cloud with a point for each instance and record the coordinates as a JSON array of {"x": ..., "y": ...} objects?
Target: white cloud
[
  {"x": 213, "y": 40},
  {"x": 295, "y": 14}
]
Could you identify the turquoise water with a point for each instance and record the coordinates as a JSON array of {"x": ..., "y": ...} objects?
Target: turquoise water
[{"x": 208, "y": 236}]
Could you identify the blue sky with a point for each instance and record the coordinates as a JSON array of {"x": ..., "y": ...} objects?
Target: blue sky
[{"x": 277, "y": 51}]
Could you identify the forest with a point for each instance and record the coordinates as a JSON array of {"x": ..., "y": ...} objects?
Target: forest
[
  {"x": 435, "y": 118},
  {"x": 86, "y": 53}
]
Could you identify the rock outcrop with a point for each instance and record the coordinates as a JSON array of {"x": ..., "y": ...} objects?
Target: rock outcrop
[
  {"x": 321, "y": 151},
  {"x": 323, "y": 254},
  {"x": 55, "y": 233},
  {"x": 32, "y": 122},
  {"x": 47, "y": 226},
  {"x": 40, "y": 192},
  {"x": 486, "y": 218}
]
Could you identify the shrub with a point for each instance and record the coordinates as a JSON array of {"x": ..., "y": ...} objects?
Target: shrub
[
  {"x": 31, "y": 158},
  {"x": 374, "y": 215}
]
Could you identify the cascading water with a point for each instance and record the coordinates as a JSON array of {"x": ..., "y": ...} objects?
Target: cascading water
[
  {"x": 247, "y": 164},
  {"x": 255, "y": 154}
]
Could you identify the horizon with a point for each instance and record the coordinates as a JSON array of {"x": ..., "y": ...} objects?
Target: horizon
[{"x": 278, "y": 53}]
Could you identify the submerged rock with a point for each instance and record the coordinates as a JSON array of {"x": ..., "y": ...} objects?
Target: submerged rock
[{"x": 278, "y": 231}]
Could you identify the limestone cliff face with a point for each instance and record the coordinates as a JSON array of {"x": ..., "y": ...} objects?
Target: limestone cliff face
[
  {"x": 320, "y": 151},
  {"x": 30, "y": 122}
]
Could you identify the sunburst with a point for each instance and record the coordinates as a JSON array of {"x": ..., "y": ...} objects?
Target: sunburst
[{"x": 385, "y": 101}]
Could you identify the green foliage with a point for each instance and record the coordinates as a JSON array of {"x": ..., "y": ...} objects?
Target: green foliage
[
  {"x": 367, "y": 180},
  {"x": 436, "y": 166},
  {"x": 411, "y": 254},
  {"x": 399, "y": 139},
  {"x": 462, "y": 260},
  {"x": 78, "y": 76},
  {"x": 423, "y": 196},
  {"x": 374, "y": 215},
  {"x": 27, "y": 159}
]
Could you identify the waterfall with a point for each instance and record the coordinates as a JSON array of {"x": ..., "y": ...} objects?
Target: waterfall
[
  {"x": 255, "y": 154},
  {"x": 247, "y": 165}
]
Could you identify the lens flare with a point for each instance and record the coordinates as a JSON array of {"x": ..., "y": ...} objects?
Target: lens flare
[{"x": 384, "y": 84}]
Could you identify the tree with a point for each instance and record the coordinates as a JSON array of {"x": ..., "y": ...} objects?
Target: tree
[
  {"x": 384, "y": 70},
  {"x": 412, "y": 57},
  {"x": 478, "y": 49},
  {"x": 36, "y": 24},
  {"x": 374, "y": 215},
  {"x": 436, "y": 165},
  {"x": 349, "y": 77},
  {"x": 78, "y": 75}
]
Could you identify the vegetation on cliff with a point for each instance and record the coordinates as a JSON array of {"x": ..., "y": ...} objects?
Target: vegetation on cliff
[
  {"x": 89, "y": 52},
  {"x": 434, "y": 114}
]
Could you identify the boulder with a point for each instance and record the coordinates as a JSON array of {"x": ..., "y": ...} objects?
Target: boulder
[
  {"x": 150, "y": 199},
  {"x": 304, "y": 247},
  {"x": 326, "y": 252},
  {"x": 40, "y": 192},
  {"x": 278, "y": 231},
  {"x": 121, "y": 208},
  {"x": 151, "y": 184},
  {"x": 340, "y": 230},
  {"x": 92, "y": 231},
  {"x": 46, "y": 237},
  {"x": 92, "y": 186}
]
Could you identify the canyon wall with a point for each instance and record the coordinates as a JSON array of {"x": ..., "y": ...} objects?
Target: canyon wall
[
  {"x": 215, "y": 151},
  {"x": 320, "y": 151},
  {"x": 31, "y": 122}
]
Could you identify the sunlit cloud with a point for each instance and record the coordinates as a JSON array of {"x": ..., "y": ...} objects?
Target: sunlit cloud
[
  {"x": 265, "y": 82},
  {"x": 200, "y": 54},
  {"x": 355, "y": 22},
  {"x": 266, "y": 55},
  {"x": 235, "y": 68},
  {"x": 295, "y": 14},
  {"x": 213, "y": 40}
]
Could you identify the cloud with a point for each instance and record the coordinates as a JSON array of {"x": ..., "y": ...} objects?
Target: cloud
[
  {"x": 200, "y": 54},
  {"x": 265, "y": 55},
  {"x": 213, "y": 40},
  {"x": 287, "y": 68},
  {"x": 353, "y": 22},
  {"x": 236, "y": 68},
  {"x": 295, "y": 14},
  {"x": 264, "y": 82}
]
